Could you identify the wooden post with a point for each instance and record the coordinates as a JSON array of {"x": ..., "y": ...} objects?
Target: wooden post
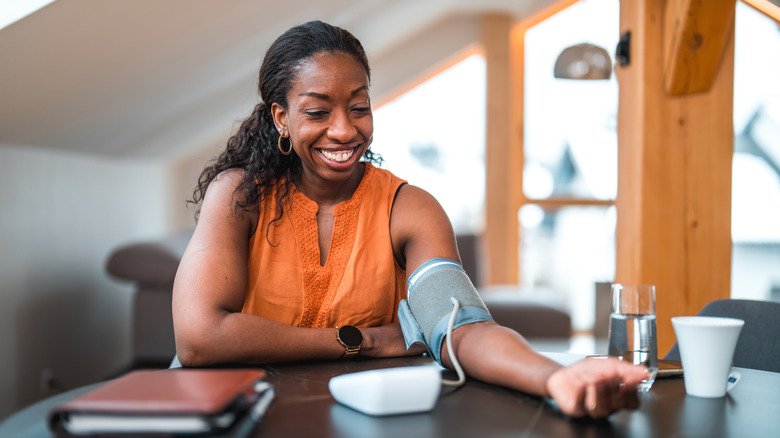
[
  {"x": 503, "y": 45},
  {"x": 674, "y": 163}
]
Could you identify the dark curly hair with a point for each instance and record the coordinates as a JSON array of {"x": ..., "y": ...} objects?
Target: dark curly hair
[{"x": 253, "y": 147}]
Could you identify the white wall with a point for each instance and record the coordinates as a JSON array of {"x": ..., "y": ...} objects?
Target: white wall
[
  {"x": 61, "y": 214},
  {"x": 184, "y": 173}
]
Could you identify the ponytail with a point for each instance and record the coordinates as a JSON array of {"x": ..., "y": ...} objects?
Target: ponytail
[{"x": 253, "y": 149}]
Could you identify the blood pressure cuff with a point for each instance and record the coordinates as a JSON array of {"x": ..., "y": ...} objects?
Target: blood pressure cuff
[{"x": 425, "y": 314}]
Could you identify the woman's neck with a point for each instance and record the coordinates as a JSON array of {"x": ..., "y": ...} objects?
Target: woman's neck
[{"x": 329, "y": 193}]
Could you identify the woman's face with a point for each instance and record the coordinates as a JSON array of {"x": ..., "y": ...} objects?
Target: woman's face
[{"x": 328, "y": 118}]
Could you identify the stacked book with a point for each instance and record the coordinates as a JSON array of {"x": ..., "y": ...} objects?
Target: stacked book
[{"x": 180, "y": 401}]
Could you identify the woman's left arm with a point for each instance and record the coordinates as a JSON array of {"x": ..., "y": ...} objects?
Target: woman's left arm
[{"x": 495, "y": 354}]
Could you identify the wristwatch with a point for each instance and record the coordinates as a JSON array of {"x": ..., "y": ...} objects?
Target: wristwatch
[{"x": 351, "y": 338}]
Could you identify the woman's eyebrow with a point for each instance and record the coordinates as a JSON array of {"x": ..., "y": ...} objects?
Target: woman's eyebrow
[
  {"x": 315, "y": 94},
  {"x": 359, "y": 89},
  {"x": 327, "y": 97}
]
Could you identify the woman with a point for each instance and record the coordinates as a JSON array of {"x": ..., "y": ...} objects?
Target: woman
[{"x": 296, "y": 236}]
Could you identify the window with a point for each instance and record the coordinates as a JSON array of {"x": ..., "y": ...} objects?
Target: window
[
  {"x": 434, "y": 137},
  {"x": 570, "y": 163},
  {"x": 755, "y": 213}
]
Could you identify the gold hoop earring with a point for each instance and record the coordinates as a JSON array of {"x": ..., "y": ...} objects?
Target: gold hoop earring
[{"x": 281, "y": 149}]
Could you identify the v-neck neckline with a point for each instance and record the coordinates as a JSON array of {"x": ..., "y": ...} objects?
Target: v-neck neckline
[
  {"x": 340, "y": 213},
  {"x": 319, "y": 280}
]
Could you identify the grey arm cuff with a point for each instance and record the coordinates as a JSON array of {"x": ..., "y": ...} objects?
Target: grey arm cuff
[
  {"x": 466, "y": 315},
  {"x": 425, "y": 315},
  {"x": 413, "y": 334}
]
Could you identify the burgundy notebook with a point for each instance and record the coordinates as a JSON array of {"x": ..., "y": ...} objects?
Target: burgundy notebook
[{"x": 181, "y": 401}]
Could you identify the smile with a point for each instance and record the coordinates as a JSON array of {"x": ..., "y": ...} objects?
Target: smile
[{"x": 338, "y": 156}]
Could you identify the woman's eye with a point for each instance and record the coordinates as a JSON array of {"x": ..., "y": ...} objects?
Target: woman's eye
[
  {"x": 362, "y": 109},
  {"x": 316, "y": 114}
]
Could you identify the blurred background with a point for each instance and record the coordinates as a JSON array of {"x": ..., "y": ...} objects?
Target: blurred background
[{"x": 110, "y": 109}]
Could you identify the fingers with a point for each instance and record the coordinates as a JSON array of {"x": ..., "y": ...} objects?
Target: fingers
[
  {"x": 629, "y": 396},
  {"x": 596, "y": 388},
  {"x": 566, "y": 389},
  {"x": 630, "y": 374},
  {"x": 617, "y": 388},
  {"x": 603, "y": 398},
  {"x": 594, "y": 401}
]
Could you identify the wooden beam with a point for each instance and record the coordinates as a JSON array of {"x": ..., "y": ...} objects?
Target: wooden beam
[
  {"x": 427, "y": 75},
  {"x": 674, "y": 174},
  {"x": 696, "y": 33},
  {"x": 766, "y": 7},
  {"x": 503, "y": 48},
  {"x": 568, "y": 202},
  {"x": 546, "y": 13}
]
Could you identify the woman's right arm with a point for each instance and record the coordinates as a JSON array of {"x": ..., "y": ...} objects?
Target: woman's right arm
[{"x": 209, "y": 292}]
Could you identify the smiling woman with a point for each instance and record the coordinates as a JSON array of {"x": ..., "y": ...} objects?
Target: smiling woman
[
  {"x": 304, "y": 251},
  {"x": 293, "y": 238},
  {"x": 329, "y": 122}
]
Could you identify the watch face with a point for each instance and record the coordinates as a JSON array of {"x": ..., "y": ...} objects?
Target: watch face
[{"x": 350, "y": 335}]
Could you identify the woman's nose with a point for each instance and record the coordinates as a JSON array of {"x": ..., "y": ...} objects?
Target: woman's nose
[{"x": 342, "y": 129}]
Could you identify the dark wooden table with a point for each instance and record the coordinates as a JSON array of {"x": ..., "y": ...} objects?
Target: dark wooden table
[{"x": 304, "y": 407}]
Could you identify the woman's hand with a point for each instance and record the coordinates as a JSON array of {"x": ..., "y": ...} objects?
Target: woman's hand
[
  {"x": 596, "y": 388},
  {"x": 387, "y": 341}
]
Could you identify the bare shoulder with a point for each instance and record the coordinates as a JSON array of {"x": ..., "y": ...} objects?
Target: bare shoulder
[
  {"x": 221, "y": 201},
  {"x": 225, "y": 184},
  {"x": 410, "y": 198},
  {"x": 414, "y": 207},
  {"x": 420, "y": 227}
]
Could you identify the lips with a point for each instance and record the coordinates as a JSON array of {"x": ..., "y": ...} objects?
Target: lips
[{"x": 338, "y": 156}]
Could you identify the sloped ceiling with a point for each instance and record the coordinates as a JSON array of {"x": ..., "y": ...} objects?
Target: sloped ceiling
[{"x": 162, "y": 78}]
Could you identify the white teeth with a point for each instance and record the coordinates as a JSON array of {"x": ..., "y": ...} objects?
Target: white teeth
[{"x": 339, "y": 157}]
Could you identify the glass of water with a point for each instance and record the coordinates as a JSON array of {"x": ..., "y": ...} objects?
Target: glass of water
[{"x": 632, "y": 336}]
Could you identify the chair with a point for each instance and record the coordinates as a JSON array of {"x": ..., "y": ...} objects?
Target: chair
[
  {"x": 531, "y": 313},
  {"x": 758, "y": 346},
  {"x": 151, "y": 266},
  {"x": 470, "y": 256},
  {"x": 534, "y": 313}
]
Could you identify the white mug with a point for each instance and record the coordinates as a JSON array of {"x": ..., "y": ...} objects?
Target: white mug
[{"x": 707, "y": 347}]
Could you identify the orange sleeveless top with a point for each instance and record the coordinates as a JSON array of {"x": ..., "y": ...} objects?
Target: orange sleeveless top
[{"x": 360, "y": 284}]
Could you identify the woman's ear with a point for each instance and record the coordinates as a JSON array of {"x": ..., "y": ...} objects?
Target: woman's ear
[{"x": 279, "y": 114}]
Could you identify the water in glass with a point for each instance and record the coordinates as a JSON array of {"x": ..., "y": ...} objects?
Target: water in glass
[{"x": 632, "y": 338}]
